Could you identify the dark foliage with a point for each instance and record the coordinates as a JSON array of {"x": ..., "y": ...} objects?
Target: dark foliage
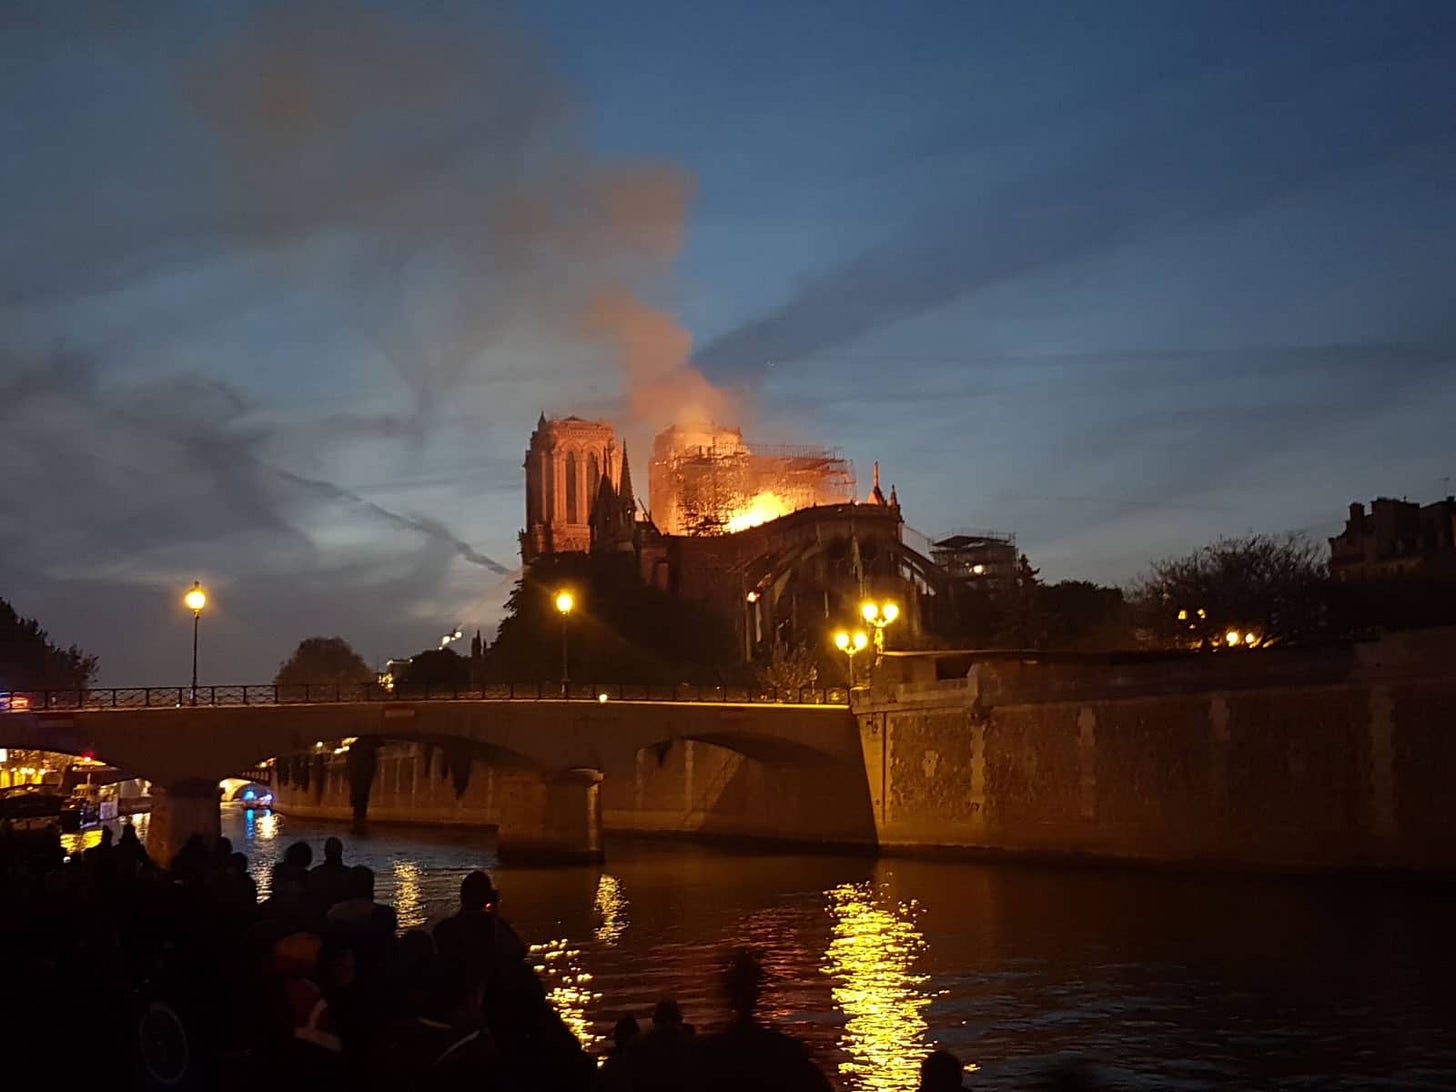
[
  {"x": 1274, "y": 585},
  {"x": 361, "y": 763},
  {"x": 438, "y": 667},
  {"x": 1085, "y": 617},
  {"x": 620, "y": 630},
  {"x": 329, "y": 661},
  {"x": 1073, "y": 614},
  {"x": 1364, "y": 607},
  {"x": 29, "y": 660},
  {"x": 458, "y": 760}
]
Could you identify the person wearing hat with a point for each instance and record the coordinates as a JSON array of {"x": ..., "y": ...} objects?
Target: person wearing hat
[
  {"x": 538, "y": 1051},
  {"x": 477, "y": 937}
]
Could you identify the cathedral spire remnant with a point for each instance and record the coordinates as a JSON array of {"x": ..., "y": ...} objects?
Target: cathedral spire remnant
[
  {"x": 624, "y": 489},
  {"x": 876, "y": 495}
]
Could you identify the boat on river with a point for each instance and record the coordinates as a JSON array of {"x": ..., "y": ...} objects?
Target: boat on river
[
  {"x": 80, "y": 811},
  {"x": 31, "y": 807}
]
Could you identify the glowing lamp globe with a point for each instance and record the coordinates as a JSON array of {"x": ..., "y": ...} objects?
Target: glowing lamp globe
[{"x": 195, "y": 599}]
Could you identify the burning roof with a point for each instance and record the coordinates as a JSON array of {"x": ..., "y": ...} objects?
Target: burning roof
[{"x": 706, "y": 480}]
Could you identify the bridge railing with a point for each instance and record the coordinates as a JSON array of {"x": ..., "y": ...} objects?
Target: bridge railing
[{"x": 167, "y": 697}]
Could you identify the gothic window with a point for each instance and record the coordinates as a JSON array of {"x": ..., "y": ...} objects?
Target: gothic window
[
  {"x": 593, "y": 478},
  {"x": 573, "y": 490}
]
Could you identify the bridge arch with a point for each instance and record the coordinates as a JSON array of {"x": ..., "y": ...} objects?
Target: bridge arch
[
  {"x": 542, "y": 760},
  {"x": 741, "y": 785},
  {"x": 534, "y": 808}
]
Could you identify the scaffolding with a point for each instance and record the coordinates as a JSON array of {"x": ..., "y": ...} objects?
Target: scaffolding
[{"x": 709, "y": 481}]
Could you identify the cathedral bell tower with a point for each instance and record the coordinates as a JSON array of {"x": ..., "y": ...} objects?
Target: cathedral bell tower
[{"x": 567, "y": 462}]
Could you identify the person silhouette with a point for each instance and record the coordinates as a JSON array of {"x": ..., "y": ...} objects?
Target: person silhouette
[
  {"x": 747, "y": 1053},
  {"x": 612, "y": 1075},
  {"x": 940, "y": 1071},
  {"x": 329, "y": 882},
  {"x": 660, "y": 1059}
]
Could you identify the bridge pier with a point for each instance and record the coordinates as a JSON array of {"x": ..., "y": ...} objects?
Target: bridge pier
[
  {"x": 179, "y": 811},
  {"x": 569, "y": 827}
]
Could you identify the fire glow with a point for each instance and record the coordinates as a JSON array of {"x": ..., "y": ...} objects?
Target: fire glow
[
  {"x": 765, "y": 506},
  {"x": 706, "y": 480}
]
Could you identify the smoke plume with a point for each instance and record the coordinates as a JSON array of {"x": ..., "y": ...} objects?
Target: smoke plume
[
  {"x": 455, "y": 162},
  {"x": 652, "y": 349},
  {"x": 324, "y": 243}
]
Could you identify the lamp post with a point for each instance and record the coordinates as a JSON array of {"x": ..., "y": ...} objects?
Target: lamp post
[
  {"x": 195, "y": 600},
  {"x": 849, "y": 644},
  {"x": 564, "y": 602},
  {"x": 879, "y": 615},
  {"x": 750, "y": 607}
]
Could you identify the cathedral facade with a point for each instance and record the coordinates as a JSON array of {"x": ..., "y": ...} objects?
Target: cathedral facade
[{"x": 567, "y": 463}]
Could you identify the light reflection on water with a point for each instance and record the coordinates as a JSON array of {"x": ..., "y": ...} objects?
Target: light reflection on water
[
  {"x": 611, "y": 906},
  {"x": 871, "y": 961},
  {"x": 259, "y": 827},
  {"x": 1161, "y": 978},
  {"x": 409, "y": 906},
  {"x": 568, "y": 986},
  {"x": 82, "y": 840}
]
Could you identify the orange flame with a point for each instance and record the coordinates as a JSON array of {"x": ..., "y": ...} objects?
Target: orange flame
[{"x": 762, "y": 508}]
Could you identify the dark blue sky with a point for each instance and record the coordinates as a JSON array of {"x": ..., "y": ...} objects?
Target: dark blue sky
[{"x": 283, "y": 287}]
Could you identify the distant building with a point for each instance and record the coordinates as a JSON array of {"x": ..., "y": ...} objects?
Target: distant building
[
  {"x": 1395, "y": 538},
  {"x": 565, "y": 463},
  {"x": 774, "y": 540},
  {"x": 789, "y": 582},
  {"x": 986, "y": 559}
]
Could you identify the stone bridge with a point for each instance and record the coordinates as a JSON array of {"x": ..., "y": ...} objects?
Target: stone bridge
[
  {"x": 1330, "y": 758},
  {"x": 550, "y": 773}
]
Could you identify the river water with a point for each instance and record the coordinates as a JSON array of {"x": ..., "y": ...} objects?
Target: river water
[{"x": 1159, "y": 980}]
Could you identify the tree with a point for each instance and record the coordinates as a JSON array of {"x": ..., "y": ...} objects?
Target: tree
[
  {"x": 620, "y": 631},
  {"x": 1087, "y": 617},
  {"x": 324, "y": 661},
  {"x": 434, "y": 667},
  {"x": 29, "y": 660},
  {"x": 1021, "y": 617},
  {"x": 793, "y": 669},
  {"x": 1271, "y": 585}
]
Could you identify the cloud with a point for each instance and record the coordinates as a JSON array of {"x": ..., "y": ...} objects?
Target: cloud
[
  {"x": 1215, "y": 143},
  {"x": 425, "y": 525},
  {"x": 287, "y": 250}
]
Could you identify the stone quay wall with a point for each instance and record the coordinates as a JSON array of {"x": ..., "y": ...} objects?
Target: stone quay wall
[
  {"x": 1177, "y": 761},
  {"x": 414, "y": 783}
]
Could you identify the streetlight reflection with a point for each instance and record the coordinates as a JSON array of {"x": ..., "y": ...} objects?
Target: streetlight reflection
[
  {"x": 568, "y": 986},
  {"x": 611, "y": 905},
  {"x": 870, "y": 961},
  {"x": 409, "y": 904}
]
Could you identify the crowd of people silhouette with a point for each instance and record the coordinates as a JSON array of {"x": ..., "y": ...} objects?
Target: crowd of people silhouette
[{"x": 183, "y": 975}]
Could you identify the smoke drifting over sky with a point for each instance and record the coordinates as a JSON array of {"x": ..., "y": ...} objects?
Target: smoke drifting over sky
[
  {"x": 283, "y": 286},
  {"x": 280, "y": 186}
]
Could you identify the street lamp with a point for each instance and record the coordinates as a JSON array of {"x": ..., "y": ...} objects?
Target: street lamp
[
  {"x": 849, "y": 644},
  {"x": 879, "y": 615},
  {"x": 564, "y": 602},
  {"x": 195, "y": 600}
]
